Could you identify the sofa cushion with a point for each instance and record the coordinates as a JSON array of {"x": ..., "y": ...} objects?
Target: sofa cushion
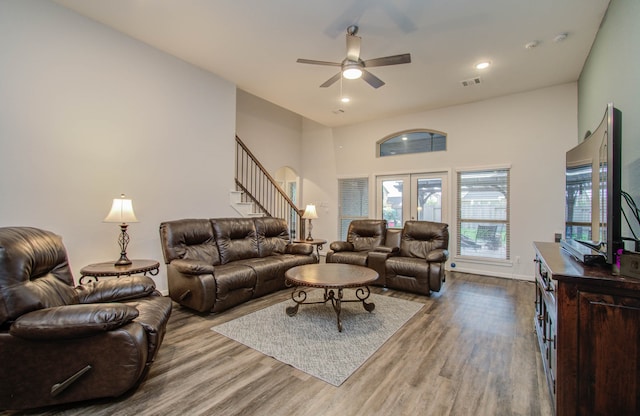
[
  {"x": 407, "y": 266},
  {"x": 189, "y": 239},
  {"x": 236, "y": 238},
  {"x": 366, "y": 235},
  {"x": 234, "y": 285},
  {"x": 421, "y": 237},
  {"x": 358, "y": 258},
  {"x": 273, "y": 236}
]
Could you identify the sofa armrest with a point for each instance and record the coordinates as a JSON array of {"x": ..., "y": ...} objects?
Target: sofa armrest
[
  {"x": 115, "y": 290},
  {"x": 341, "y": 246},
  {"x": 195, "y": 267},
  {"x": 299, "y": 248},
  {"x": 387, "y": 249},
  {"x": 438, "y": 255},
  {"x": 72, "y": 321}
]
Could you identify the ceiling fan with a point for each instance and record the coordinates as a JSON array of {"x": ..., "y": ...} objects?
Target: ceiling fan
[{"x": 352, "y": 67}]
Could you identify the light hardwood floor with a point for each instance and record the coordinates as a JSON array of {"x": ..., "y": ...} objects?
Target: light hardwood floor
[{"x": 470, "y": 351}]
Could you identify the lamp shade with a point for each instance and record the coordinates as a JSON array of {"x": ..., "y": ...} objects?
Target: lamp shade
[
  {"x": 121, "y": 211},
  {"x": 310, "y": 212}
]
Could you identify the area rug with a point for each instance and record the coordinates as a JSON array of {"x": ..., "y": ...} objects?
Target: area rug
[{"x": 310, "y": 341}]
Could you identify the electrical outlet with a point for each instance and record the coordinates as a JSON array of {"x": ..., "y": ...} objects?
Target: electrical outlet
[{"x": 630, "y": 265}]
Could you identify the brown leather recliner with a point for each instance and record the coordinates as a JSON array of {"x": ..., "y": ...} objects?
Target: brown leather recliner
[
  {"x": 60, "y": 343},
  {"x": 363, "y": 236},
  {"x": 419, "y": 264}
]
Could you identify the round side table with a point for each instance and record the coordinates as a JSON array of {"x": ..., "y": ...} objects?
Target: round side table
[
  {"x": 92, "y": 272},
  {"x": 315, "y": 242}
]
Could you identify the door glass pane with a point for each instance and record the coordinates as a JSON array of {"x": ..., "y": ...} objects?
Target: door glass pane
[
  {"x": 429, "y": 201},
  {"x": 392, "y": 191}
]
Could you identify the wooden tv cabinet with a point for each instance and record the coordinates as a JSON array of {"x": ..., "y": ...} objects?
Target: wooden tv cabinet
[{"x": 588, "y": 327}]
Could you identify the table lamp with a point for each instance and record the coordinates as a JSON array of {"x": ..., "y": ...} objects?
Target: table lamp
[
  {"x": 122, "y": 213},
  {"x": 310, "y": 214}
]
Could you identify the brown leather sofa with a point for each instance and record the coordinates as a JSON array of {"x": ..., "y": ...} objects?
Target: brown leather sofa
[
  {"x": 215, "y": 264},
  {"x": 60, "y": 343},
  {"x": 410, "y": 259}
]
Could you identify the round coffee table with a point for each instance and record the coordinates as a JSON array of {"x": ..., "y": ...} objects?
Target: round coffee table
[{"x": 333, "y": 278}]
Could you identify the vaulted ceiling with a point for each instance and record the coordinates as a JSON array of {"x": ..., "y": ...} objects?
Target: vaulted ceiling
[{"x": 255, "y": 44}]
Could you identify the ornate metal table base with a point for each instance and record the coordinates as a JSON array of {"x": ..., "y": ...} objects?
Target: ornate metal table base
[{"x": 299, "y": 296}]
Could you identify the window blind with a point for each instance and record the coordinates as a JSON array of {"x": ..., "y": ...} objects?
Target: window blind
[
  {"x": 353, "y": 196},
  {"x": 483, "y": 214}
]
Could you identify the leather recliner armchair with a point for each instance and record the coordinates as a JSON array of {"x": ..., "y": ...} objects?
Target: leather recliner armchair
[
  {"x": 363, "y": 236},
  {"x": 418, "y": 266},
  {"x": 60, "y": 343}
]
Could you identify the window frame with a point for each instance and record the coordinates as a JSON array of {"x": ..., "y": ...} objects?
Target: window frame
[
  {"x": 343, "y": 226},
  {"x": 391, "y": 136},
  {"x": 506, "y": 222}
]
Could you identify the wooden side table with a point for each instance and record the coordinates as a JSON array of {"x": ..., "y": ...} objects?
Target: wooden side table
[
  {"x": 315, "y": 242},
  {"x": 92, "y": 272}
]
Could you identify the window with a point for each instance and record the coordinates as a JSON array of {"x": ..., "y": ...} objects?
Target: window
[
  {"x": 412, "y": 141},
  {"x": 483, "y": 214},
  {"x": 354, "y": 202}
]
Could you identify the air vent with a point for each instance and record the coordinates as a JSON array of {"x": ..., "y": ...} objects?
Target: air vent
[{"x": 470, "y": 82}]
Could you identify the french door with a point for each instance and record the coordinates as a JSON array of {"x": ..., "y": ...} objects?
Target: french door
[{"x": 422, "y": 197}]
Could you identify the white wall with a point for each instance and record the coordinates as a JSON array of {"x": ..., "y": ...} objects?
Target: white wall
[
  {"x": 320, "y": 186},
  {"x": 610, "y": 74},
  {"x": 529, "y": 132},
  {"x": 87, "y": 113},
  {"x": 272, "y": 133}
]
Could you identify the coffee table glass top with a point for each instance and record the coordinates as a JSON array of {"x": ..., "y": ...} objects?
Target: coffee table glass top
[{"x": 329, "y": 275}]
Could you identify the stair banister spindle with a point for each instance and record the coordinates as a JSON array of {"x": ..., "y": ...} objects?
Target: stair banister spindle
[{"x": 259, "y": 187}]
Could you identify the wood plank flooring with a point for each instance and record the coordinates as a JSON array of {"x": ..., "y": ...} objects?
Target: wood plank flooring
[{"x": 470, "y": 351}]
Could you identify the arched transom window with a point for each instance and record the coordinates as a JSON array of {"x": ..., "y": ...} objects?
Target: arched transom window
[{"x": 412, "y": 141}]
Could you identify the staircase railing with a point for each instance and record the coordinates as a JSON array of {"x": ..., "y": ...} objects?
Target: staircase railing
[{"x": 259, "y": 187}]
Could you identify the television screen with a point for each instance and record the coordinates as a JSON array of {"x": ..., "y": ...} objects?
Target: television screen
[{"x": 593, "y": 200}]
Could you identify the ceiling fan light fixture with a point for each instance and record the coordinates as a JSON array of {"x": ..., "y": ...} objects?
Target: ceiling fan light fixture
[{"x": 352, "y": 71}]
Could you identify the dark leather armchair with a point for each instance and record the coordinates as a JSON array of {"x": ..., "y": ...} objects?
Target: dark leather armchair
[
  {"x": 60, "y": 343},
  {"x": 419, "y": 264},
  {"x": 363, "y": 236}
]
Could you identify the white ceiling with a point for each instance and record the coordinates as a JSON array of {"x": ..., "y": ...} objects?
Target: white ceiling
[{"x": 255, "y": 43}]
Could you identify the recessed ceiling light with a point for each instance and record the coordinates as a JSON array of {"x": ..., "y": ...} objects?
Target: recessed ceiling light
[
  {"x": 345, "y": 99},
  {"x": 561, "y": 36},
  {"x": 483, "y": 65},
  {"x": 532, "y": 44}
]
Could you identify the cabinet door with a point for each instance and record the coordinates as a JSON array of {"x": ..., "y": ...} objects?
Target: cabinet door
[{"x": 609, "y": 355}]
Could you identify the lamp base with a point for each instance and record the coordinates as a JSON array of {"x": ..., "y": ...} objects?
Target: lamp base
[
  {"x": 309, "y": 238},
  {"x": 122, "y": 261},
  {"x": 123, "y": 241}
]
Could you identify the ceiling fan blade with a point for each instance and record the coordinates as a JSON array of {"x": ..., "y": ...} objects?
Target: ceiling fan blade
[
  {"x": 312, "y": 62},
  {"x": 353, "y": 47},
  {"x": 331, "y": 80},
  {"x": 405, "y": 58},
  {"x": 371, "y": 79}
]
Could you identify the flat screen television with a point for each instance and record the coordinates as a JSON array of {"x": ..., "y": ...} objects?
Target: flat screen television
[{"x": 593, "y": 197}]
